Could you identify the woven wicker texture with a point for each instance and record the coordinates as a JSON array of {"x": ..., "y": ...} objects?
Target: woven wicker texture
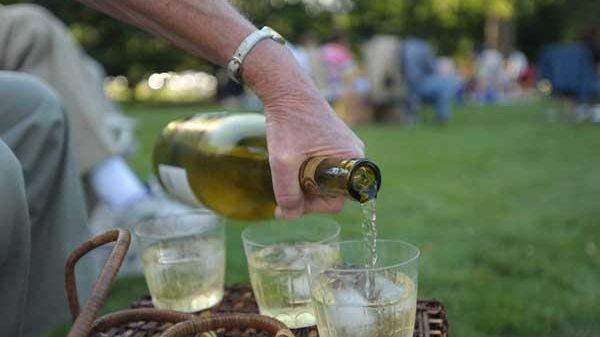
[
  {"x": 183, "y": 325},
  {"x": 431, "y": 319},
  {"x": 235, "y": 316}
]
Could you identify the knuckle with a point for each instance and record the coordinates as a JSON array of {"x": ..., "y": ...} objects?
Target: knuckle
[
  {"x": 291, "y": 215},
  {"x": 327, "y": 205},
  {"x": 289, "y": 201},
  {"x": 336, "y": 205},
  {"x": 281, "y": 161}
]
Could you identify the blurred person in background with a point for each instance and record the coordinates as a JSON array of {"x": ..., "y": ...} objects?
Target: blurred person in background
[
  {"x": 337, "y": 61},
  {"x": 353, "y": 105},
  {"x": 489, "y": 75},
  {"x": 424, "y": 83},
  {"x": 41, "y": 192},
  {"x": 229, "y": 93},
  {"x": 515, "y": 70},
  {"x": 345, "y": 86},
  {"x": 590, "y": 37},
  {"x": 307, "y": 55},
  {"x": 381, "y": 56},
  {"x": 568, "y": 72}
]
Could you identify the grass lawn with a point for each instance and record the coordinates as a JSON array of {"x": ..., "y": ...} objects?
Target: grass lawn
[{"x": 504, "y": 206}]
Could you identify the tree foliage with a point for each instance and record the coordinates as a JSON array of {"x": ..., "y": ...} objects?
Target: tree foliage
[
  {"x": 453, "y": 26},
  {"x": 122, "y": 49}
]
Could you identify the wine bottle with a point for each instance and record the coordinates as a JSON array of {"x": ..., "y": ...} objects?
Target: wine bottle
[{"x": 220, "y": 160}]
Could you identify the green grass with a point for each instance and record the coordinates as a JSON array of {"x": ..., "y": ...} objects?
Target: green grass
[{"x": 504, "y": 206}]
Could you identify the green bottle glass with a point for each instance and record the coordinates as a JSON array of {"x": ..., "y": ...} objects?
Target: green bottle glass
[{"x": 220, "y": 160}]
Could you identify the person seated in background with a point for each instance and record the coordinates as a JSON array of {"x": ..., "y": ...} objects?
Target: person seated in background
[
  {"x": 489, "y": 75},
  {"x": 590, "y": 37},
  {"x": 35, "y": 42},
  {"x": 381, "y": 57},
  {"x": 345, "y": 84},
  {"x": 515, "y": 71},
  {"x": 306, "y": 52},
  {"x": 424, "y": 83},
  {"x": 337, "y": 61},
  {"x": 567, "y": 70}
]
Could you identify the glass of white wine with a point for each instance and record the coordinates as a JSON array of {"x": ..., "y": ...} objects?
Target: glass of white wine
[
  {"x": 277, "y": 253},
  {"x": 183, "y": 256},
  {"x": 356, "y": 298}
]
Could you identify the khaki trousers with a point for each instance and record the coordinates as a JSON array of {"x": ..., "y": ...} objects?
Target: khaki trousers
[
  {"x": 42, "y": 215},
  {"x": 32, "y": 40}
]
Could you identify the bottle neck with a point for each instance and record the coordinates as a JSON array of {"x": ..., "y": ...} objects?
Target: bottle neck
[{"x": 357, "y": 178}]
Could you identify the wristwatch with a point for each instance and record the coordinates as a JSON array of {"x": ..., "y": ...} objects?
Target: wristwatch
[{"x": 234, "y": 66}]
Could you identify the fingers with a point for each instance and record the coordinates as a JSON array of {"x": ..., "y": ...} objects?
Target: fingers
[
  {"x": 323, "y": 205},
  {"x": 288, "y": 194}
]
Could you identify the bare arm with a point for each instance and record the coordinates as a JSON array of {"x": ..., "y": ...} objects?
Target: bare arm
[
  {"x": 211, "y": 29},
  {"x": 300, "y": 124},
  {"x": 208, "y": 28}
]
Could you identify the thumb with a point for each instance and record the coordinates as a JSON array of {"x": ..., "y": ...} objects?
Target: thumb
[{"x": 289, "y": 196}]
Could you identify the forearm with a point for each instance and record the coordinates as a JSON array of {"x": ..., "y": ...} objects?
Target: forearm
[
  {"x": 276, "y": 77},
  {"x": 213, "y": 30}
]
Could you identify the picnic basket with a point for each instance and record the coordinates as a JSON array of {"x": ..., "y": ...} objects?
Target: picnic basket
[
  {"x": 235, "y": 316},
  {"x": 174, "y": 323}
]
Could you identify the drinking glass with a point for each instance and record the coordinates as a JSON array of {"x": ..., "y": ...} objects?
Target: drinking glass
[
  {"x": 183, "y": 257},
  {"x": 354, "y": 298},
  {"x": 277, "y": 254}
]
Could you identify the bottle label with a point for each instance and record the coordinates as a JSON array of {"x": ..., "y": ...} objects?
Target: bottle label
[{"x": 175, "y": 181}]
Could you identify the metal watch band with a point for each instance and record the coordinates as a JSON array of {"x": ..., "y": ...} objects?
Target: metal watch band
[{"x": 234, "y": 66}]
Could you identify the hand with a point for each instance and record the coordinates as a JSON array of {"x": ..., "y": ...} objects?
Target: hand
[{"x": 300, "y": 125}]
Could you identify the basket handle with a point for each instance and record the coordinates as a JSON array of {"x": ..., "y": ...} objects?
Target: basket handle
[
  {"x": 227, "y": 321},
  {"x": 136, "y": 315},
  {"x": 82, "y": 321}
]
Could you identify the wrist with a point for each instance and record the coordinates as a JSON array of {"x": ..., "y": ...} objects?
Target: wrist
[
  {"x": 272, "y": 72},
  {"x": 235, "y": 62}
]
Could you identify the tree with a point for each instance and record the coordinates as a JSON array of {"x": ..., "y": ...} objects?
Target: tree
[
  {"x": 121, "y": 48},
  {"x": 453, "y": 26}
]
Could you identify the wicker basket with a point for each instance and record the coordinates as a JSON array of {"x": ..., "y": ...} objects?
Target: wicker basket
[
  {"x": 173, "y": 323},
  {"x": 235, "y": 316},
  {"x": 431, "y": 319}
]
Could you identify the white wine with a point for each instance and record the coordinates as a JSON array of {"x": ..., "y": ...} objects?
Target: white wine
[
  {"x": 369, "y": 228},
  {"x": 185, "y": 274},
  {"x": 279, "y": 279},
  {"x": 220, "y": 160},
  {"x": 344, "y": 309}
]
